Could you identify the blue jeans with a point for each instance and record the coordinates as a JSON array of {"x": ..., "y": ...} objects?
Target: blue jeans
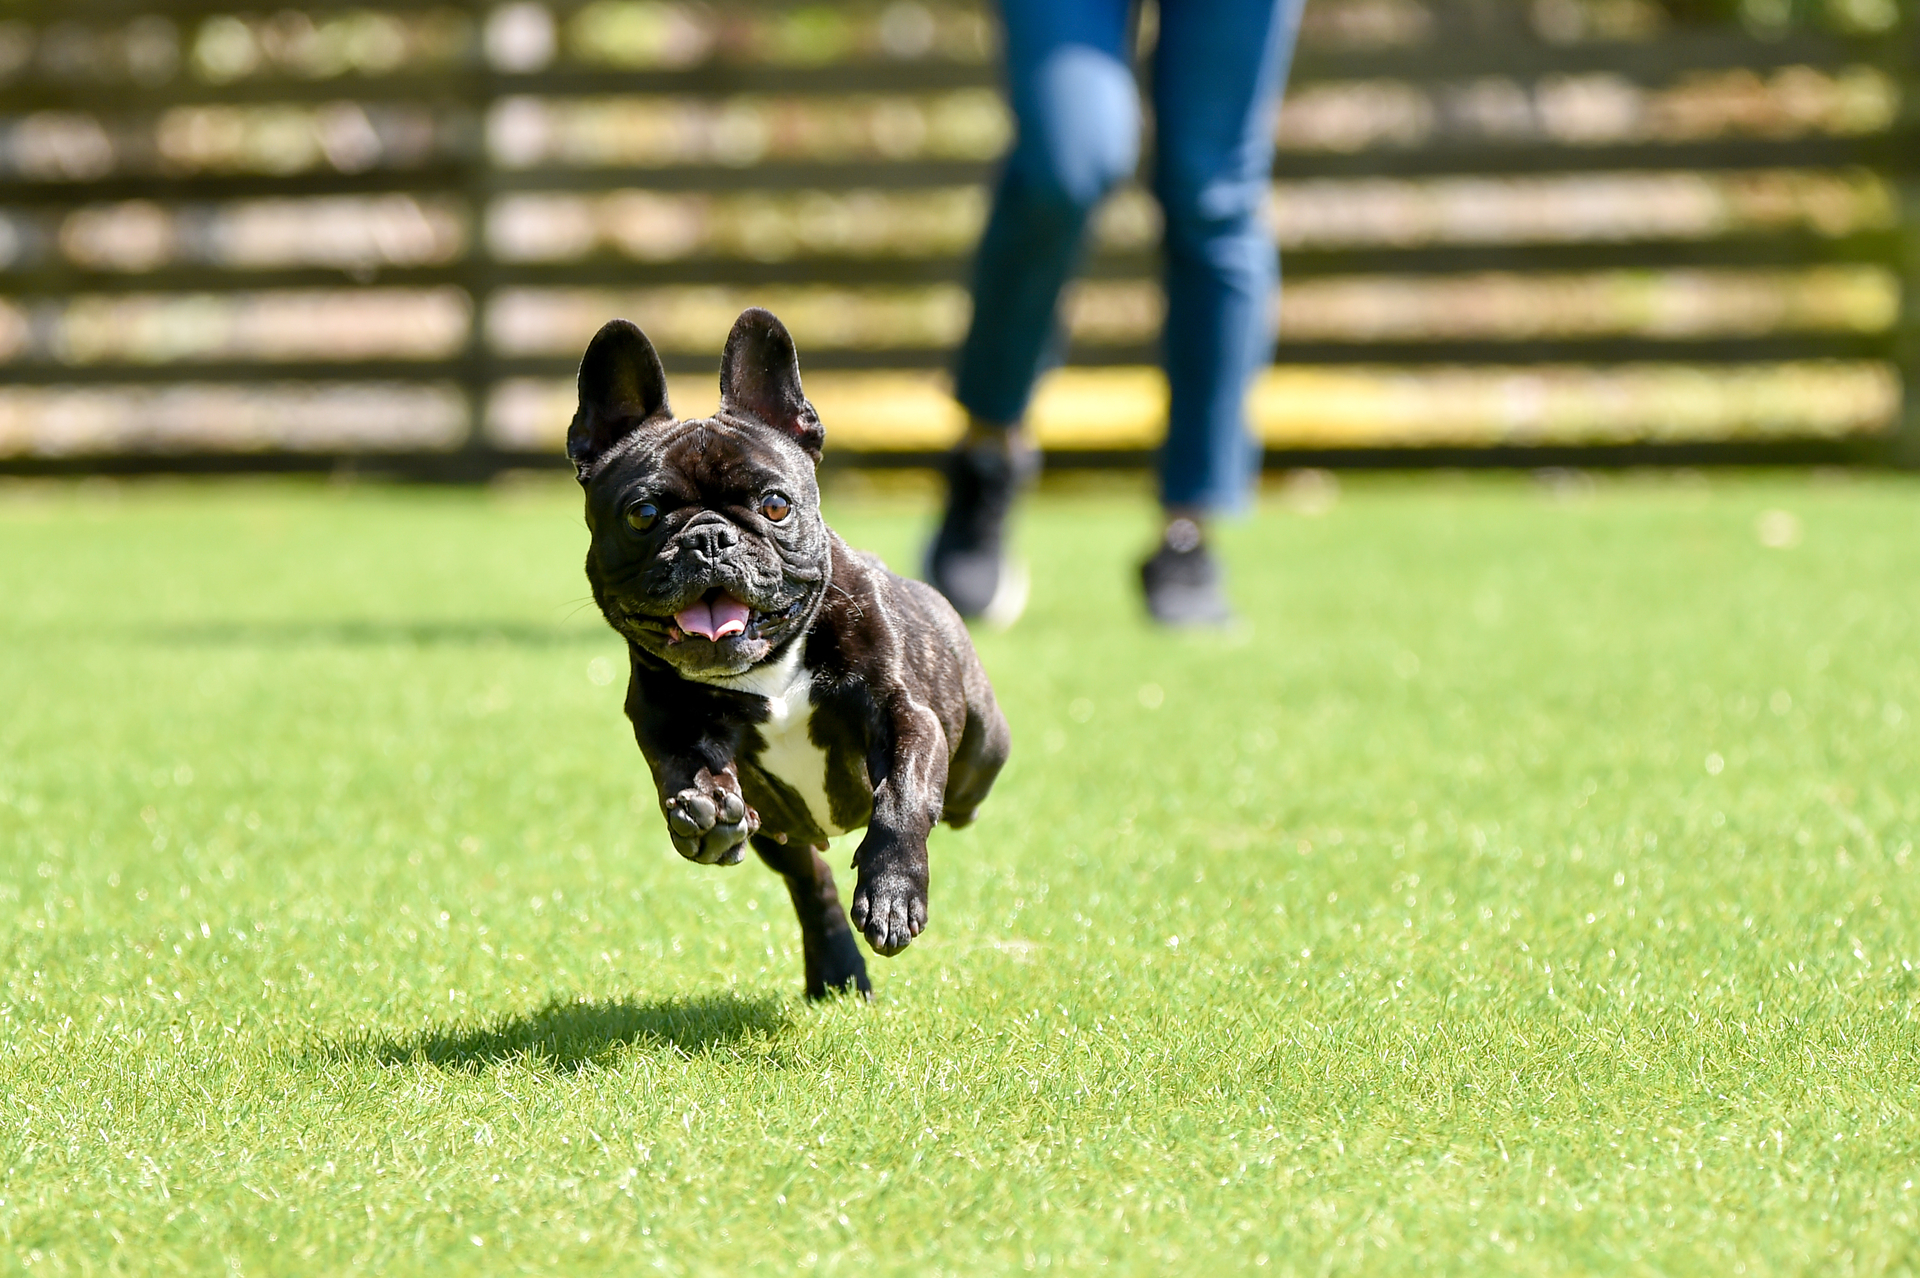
[{"x": 1217, "y": 72}]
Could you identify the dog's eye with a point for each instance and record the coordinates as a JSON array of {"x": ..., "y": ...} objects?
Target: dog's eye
[
  {"x": 642, "y": 516},
  {"x": 775, "y": 507}
]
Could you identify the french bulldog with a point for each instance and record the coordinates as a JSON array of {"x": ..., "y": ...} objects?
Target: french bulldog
[{"x": 784, "y": 688}]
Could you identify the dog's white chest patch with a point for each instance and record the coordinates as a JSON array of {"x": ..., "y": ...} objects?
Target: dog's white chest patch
[{"x": 790, "y": 756}]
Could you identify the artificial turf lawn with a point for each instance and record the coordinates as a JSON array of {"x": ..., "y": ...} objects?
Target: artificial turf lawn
[{"x": 1531, "y": 890}]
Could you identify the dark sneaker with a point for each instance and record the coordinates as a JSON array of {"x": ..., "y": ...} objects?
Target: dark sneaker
[
  {"x": 1183, "y": 582},
  {"x": 968, "y": 561}
]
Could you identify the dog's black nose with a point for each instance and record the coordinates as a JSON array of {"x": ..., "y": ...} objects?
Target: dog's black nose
[{"x": 709, "y": 539}]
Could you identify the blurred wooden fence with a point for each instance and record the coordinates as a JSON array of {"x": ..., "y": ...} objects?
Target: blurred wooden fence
[{"x": 1559, "y": 230}]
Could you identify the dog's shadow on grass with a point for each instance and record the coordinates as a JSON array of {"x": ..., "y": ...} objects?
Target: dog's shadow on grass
[{"x": 570, "y": 1034}]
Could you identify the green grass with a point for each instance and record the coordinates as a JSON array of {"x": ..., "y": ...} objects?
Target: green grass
[{"x": 1531, "y": 890}]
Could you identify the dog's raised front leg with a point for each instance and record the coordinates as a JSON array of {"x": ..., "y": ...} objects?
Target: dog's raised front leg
[
  {"x": 708, "y": 818},
  {"x": 910, "y": 776},
  {"x": 832, "y": 956}
]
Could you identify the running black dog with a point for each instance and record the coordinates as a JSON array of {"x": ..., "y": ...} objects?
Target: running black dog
[{"x": 784, "y": 687}]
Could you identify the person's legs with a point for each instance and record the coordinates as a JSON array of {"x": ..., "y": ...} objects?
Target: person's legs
[
  {"x": 1070, "y": 84},
  {"x": 1219, "y": 69}
]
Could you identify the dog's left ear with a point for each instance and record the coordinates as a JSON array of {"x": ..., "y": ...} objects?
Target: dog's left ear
[
  {"x": 760, "y": 376},
  {"x": 622, "y": 388}
]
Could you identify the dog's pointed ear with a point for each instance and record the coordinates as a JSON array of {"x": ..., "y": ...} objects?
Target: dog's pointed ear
[
  {"x": 760, "y": 376},
  {"x": 622, "y": 388}
]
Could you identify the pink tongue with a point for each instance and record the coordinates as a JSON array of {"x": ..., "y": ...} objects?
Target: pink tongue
[
  {"x": 722, "y": 617},
  {"x": 729, "y": 617}
]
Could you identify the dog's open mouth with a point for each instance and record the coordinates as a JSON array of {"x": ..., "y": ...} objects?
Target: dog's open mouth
[{"x": 715, "y": 616}]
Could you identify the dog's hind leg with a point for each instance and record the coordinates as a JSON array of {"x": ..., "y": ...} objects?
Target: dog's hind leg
[
  {"x": 982, "y": 753},
  {"x": 832, "y": 957}
]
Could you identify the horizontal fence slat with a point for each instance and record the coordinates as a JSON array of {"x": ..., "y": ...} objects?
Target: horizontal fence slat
[
  {"x": 1606, "y": 349},
  {"x": 1594, "y": 350},
  {"x": 108, "y": 10},
  {"x": 1667, "y": 57},
  {"x": 615, "y": 272},
  {"x": 443, "y": 178},
  {"x": 1886, "y": 152},
  {"x": 1438, "y": 159},
  {"x": 452, "y": 88},
  {"x": 610, "y": 271},
  {"x": 239, "y": 372},
  {"x": 711, "y": 81},
  {"x": 1649, "y": 63},
  {"x": 1449, "y": 158},
  {"x": 1889, "y": 152},
  {"x": 49, "y": 281},
  {"x": 1598, "y": 350},
  {"x": 476, "y": 466},
  {"x": 1643, "y": 255}
]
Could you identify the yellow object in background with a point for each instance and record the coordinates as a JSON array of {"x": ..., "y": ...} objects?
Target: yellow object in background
[
  {"x": 1317, "y": 407},
  {"x": 1307, "y": 407}
]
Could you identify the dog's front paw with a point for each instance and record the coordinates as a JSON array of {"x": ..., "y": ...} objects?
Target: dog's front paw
[
  {"x": 890, "y": 909},
  {"x": 710, "y": 824}
]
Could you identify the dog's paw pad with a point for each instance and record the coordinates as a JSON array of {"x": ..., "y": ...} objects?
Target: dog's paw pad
[
  {"x": 690, "y": 814},
  {"x": 710, "y": 825},
  {"x": 889, "y": 911}
]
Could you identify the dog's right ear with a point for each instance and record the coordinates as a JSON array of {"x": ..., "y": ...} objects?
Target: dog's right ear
[{"x": 622, "y": 388}]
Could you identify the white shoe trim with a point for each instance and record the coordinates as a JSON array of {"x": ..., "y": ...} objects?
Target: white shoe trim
[{"x": 1009, "y": 595}]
